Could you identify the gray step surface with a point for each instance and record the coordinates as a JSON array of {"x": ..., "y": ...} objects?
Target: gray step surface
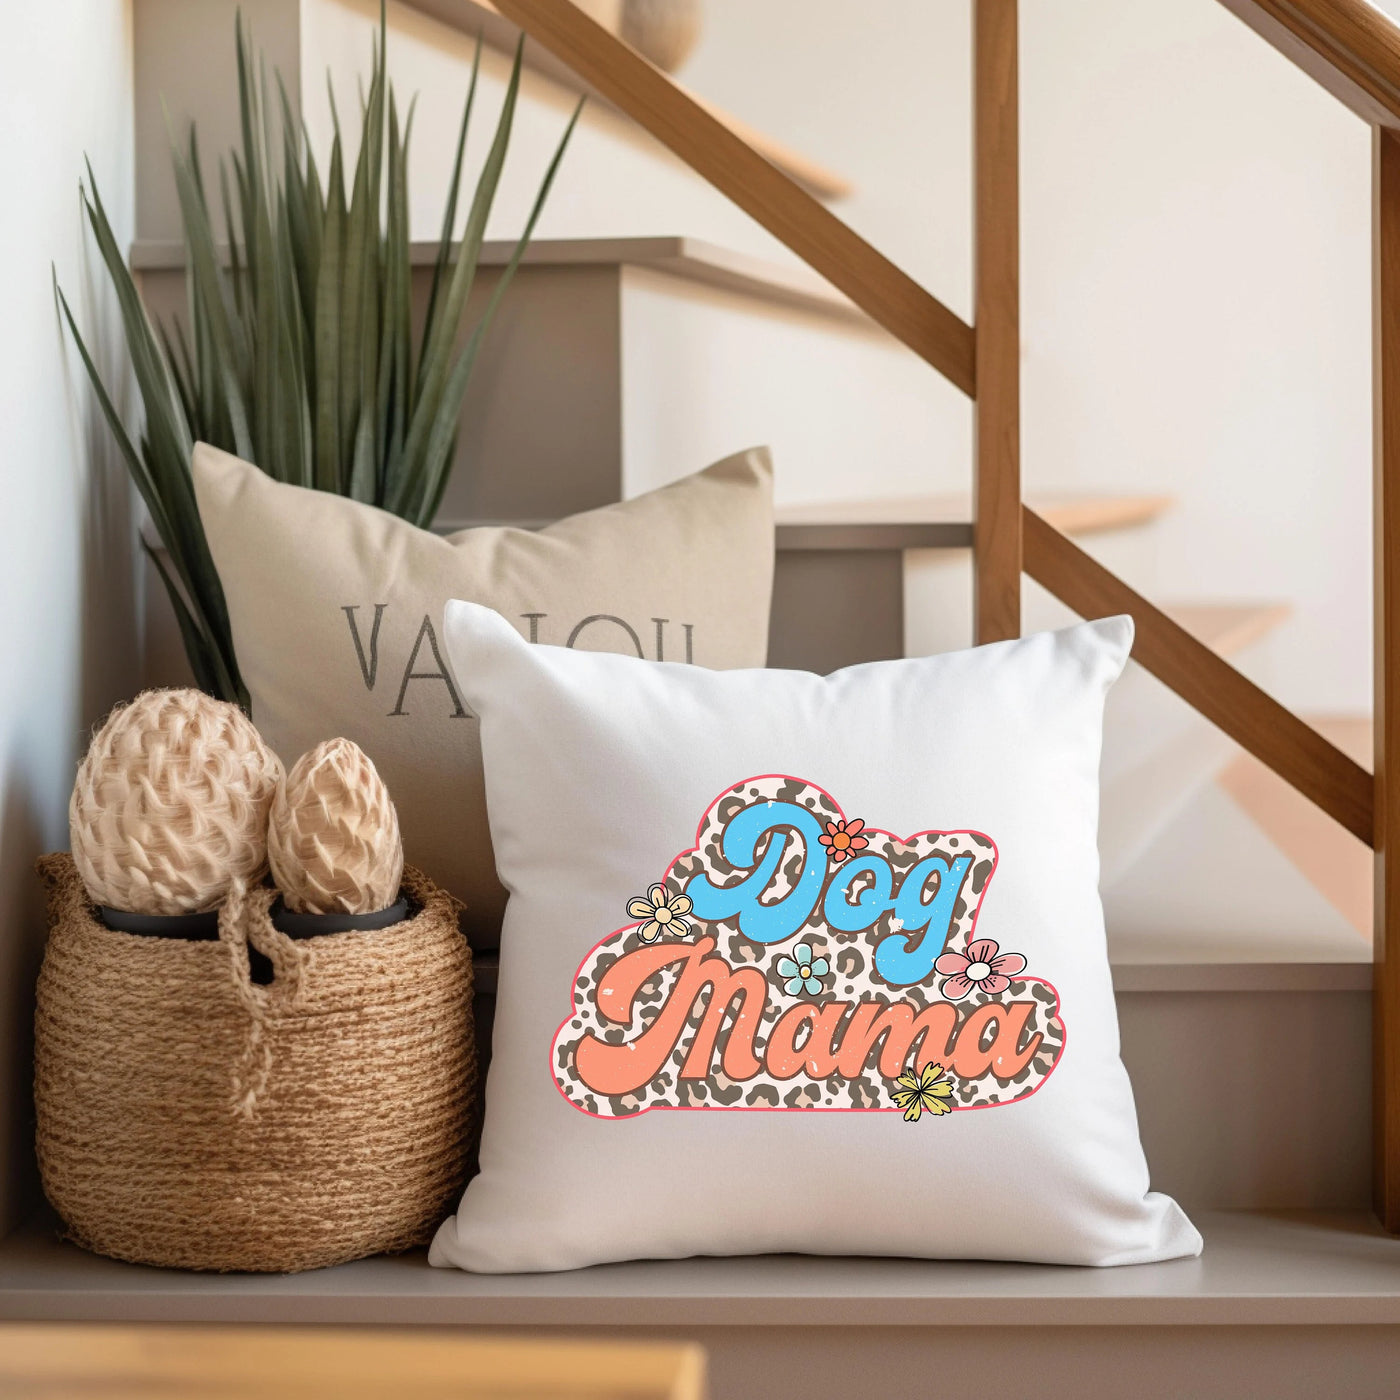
[{"x": 1257, "y": 1269}]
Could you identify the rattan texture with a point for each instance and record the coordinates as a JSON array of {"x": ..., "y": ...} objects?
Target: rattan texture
[
  {"x": 333, "y": 835},
  {"x": 189, "y": 1117},
  {"x": 170, "y": 804}
]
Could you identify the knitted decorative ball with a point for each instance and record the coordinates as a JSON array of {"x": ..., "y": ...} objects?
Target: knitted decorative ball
[
  {"x": 333, "y": 835},
  {"x": 170, "y": 804},
  {"x": 665, "y": 31}
]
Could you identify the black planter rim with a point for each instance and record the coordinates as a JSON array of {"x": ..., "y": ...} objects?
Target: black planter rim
[
  {"x": 315, "y": 925},
  {"x": 198, "y": 927},
  {"x": 204, "y": 927}
]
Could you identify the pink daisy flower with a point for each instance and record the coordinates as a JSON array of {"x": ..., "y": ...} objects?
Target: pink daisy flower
[{"x": 981, "y": 968}]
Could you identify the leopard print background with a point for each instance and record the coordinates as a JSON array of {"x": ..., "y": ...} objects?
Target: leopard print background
[{"x": 851, "y": 977}]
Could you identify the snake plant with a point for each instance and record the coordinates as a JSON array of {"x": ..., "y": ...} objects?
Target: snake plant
[{"x": 298, "y": 352}]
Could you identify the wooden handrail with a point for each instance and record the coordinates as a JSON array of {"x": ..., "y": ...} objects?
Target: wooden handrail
[
  {"x": 883, "y": 291},
  {"x": 1349, "y": 46},
  {"x": 1209, "y": 684}
]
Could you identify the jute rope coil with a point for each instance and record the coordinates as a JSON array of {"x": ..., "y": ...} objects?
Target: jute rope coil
[
  {"x": 170, "y": 804},
  {"x": 333, "y": 834},
  {"x": 189, "y": 1117}
]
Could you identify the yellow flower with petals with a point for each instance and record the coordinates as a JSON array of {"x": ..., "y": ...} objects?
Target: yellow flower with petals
[
  {"x": 929, "y": 1090},
  {"x": 661, "y": 912}
]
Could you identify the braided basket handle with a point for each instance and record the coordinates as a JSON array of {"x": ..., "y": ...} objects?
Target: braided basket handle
[{"x": 245, "y": 919}]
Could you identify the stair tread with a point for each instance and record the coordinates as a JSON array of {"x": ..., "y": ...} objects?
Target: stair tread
[
  {"x": 690, "y": 259},
  {"x": 1279, "y": 1267},
  {"x": 1228, "y": 627},
  {"x": 1075, "y": 513},
  {"x": 1215, "y": 884},
  {"x": 1335, "y": 861},
  {"x": 941, "y": 521}
]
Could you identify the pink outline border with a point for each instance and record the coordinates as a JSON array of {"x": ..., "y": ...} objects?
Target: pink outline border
[{"x": 785, "y": 1108}]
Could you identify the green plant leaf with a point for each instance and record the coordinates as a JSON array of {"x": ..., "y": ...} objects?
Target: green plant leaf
[
  {"x": 328, "y": 331},
  {"x": 136, "y": 464},
  {"x": 297, "y": 348},
  {"x": 210, "y": 672},
  {"x": 439, "y": 456},
  {"x": 395, "y": 341},
  {"x": 449, "y": 216},
  {"x": 177, "y": 356},
  {"x": 437, "y": 358},
  {"x": 229, "y": 347},
  {"x": 187, "y": 551}
]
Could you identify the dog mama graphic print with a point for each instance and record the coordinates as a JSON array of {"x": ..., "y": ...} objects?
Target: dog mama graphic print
[{"x": 797, "y": 957}]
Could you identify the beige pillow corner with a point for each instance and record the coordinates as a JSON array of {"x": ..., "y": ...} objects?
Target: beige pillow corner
[{"x": 336, "y": 611}]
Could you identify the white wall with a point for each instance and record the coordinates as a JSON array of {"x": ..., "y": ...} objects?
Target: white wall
[{"x": 66, "y": 628}]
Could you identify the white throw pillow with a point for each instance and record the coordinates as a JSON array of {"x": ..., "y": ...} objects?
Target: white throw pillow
[{"x": 801, "y": 963}]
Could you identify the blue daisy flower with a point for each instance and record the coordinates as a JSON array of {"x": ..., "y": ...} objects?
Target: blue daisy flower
[{"x": 801, "y": 971}]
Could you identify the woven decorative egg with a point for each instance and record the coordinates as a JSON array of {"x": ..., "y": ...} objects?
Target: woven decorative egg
[
  {"x": 333, "y": 834},
  {"x": 665, "y": 31},
  {"x": 170, "y": 804}
]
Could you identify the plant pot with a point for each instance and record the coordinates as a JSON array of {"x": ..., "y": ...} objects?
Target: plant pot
[
  {"x": 188, "y": 1116},
  {"x": 296, "y": 925},
  {"x": 199, "y": 927},
  {"x": 204, "y": 927}
]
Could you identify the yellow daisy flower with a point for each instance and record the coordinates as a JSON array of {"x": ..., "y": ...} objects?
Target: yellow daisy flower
[
  {"x": 929, "y": 1089},
  {"x": 661, "y": 912}
]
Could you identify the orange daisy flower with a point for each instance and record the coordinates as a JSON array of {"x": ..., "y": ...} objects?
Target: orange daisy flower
[{"x": 843, "y": 839}]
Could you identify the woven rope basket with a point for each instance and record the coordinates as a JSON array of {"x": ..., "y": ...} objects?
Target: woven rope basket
[{"x": 189, "y": 1117}]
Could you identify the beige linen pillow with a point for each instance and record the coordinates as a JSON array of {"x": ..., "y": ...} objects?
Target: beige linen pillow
[{"x": 336, "y": 610}]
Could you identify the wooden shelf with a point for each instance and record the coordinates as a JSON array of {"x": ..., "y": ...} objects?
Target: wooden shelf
[
  {"x": 1257, "y": 1269},
  {"x": 474, "y": 17}
]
